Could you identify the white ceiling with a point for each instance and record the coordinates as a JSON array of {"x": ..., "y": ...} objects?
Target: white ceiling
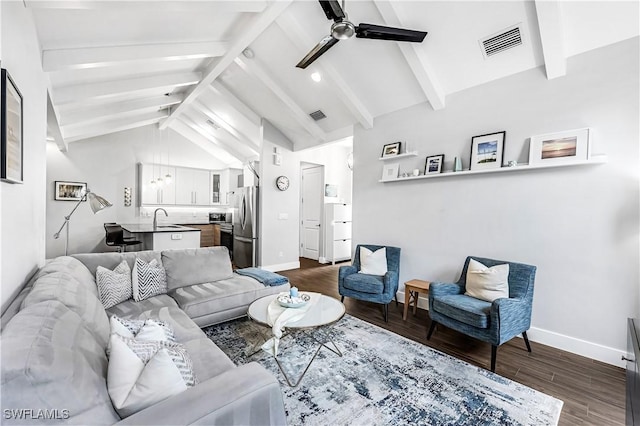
[{"x": 115, "y": 65}]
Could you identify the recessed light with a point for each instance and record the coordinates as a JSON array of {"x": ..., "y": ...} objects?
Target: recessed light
[{"x": 316, "y": 77}]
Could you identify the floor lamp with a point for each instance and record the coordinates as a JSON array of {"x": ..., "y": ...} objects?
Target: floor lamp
[{"x": 96, "y": 202}]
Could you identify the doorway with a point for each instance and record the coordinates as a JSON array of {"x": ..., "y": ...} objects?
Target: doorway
[{"x": 311, "y": 200}]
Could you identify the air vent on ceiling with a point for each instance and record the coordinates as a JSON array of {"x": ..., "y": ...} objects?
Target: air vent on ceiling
[
  {"x": 499, "y": 42},
  {"x": 318, "y": 115}
]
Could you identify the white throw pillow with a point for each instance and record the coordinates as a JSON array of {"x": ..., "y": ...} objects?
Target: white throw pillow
[
  {"x": 141, "y": 329},
  {"x": 138, "y": 378},
  {"x": 373, "y": 262},
  {"x": 487, "y": 283},
  {"x": 148, "y": 279},
  {"x": 114, "y": 286}
]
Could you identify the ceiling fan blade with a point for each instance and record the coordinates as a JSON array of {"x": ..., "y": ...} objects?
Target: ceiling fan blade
[
  {"x": 324, "y": 45},
  {"x": 333, "y": 10},
  {"x": 379, "y": 32}
]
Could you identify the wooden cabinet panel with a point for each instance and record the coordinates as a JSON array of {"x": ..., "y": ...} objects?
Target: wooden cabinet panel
[{"x": 207, "y": 234}]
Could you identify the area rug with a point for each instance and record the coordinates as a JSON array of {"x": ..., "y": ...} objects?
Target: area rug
[{"x": 384, "y": 379}]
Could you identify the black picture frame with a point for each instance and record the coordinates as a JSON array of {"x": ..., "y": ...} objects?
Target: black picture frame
[
  {"x": 64, "y": 190},
  {"x": 487, "y": 151},
  {"x": 434, "y": 164},
  {"x": 391, "y": 149},
  {"x": 11, "y": 130}
]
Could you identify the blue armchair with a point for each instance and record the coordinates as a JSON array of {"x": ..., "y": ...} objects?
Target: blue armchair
[
  {"x": 492, "y": 322},
  {"x": 371, "y": 288}
]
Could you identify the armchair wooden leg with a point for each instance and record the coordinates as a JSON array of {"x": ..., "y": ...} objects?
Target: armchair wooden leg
[
  {"x": 342, "y": 299},
  {"x": 386, "y": 312},
  {"x": 494, "y": 350},
  {"x": 526, "y": 340},
  {"x": 431, "y": 329}
]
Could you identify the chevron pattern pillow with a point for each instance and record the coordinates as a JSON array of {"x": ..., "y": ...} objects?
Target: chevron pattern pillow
[
  {"x": 149, "y": 279},
  {"x": 114, "y": 286}
]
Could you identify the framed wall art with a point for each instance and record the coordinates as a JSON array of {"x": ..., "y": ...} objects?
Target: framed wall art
[
  {"x": 11, "y": 131},
  {"x": 390, "y": 171},
  {"x": 487, "y": 151},
  {"x": 391, "y": 149},
  {"x": 562, "y": 147},
  {"x": 69, "y": 191},
  {"x": 434, "y": 164}
]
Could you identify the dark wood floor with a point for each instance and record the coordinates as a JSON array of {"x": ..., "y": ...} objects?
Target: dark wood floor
[{"x": 593, "y": 392}]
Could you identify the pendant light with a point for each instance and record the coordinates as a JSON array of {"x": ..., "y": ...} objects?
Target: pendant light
[
  {"x": 167, "y": 177},
  {"x": 153, "y": 161}
]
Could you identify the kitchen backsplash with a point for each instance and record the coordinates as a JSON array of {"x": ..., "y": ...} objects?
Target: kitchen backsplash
[{"x": 181, "y": 215}]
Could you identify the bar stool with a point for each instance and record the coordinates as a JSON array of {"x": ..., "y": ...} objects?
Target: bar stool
[{"x": 115, "y": 237}]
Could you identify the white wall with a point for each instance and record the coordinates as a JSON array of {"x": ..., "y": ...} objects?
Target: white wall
[
  {"x": 22, "y": 209},
  {"x": 579, "y": 225},
  {"x": 336, "y": 171},
  {"x": 108, "y": 164}
]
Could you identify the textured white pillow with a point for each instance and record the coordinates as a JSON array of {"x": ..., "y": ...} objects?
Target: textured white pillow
[
  {"x": 135, "y": 383},
  {"x": 149, "y": 279},
  {"x": 114, "y": 286},
  {"x": 487, "y": 283},
  {"x": 373, "y": 262}
]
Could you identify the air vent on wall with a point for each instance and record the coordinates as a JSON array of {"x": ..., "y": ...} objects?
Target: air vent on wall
[
  {"x": 499, "y": 42},
  {"x": 318, "y": 115}
]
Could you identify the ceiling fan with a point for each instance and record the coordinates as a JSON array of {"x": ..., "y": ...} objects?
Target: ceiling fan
[{"x": 342, "y": 29}]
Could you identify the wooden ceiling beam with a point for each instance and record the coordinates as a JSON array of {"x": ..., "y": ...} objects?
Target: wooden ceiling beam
[
  {"x": 552, "y": 37},
  {"x": 298, "y": 35},
  {"x": 53, "y": 126},
  {"x": 257, "y": 27},
  {"x": 416, "y": 57},
  {"x": 95, "y": 57}
]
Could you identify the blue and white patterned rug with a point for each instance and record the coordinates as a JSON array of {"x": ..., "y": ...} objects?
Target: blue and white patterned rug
[{"x": 385, "y": 379}]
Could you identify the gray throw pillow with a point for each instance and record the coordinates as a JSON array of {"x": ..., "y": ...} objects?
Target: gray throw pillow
[
  {"x": 149, "y": 279},
  {"x": 114, "y": 286}
]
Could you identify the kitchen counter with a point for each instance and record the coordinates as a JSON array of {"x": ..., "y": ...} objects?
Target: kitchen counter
[
  {"x": 165, "y": 236},
  {"x": 144, "y": 228}
]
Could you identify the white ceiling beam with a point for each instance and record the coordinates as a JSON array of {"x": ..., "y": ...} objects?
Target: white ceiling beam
[
  {"x": 112, "y": 126},
  {"x": 252, "y": 68},
  {"x": 254, "y": 29},
  {"x": 198, "y": 118},
  {"x": 207, "y": 134},
  {"x": 95, "y": 57},
  {"x": 104, "y": 112},
  {"x": 236, "y": 133},
  {"x": 204, "y": 143},
  {"x": 53, "y": 126},
  {"x": 291, "y": 27},
  {"x": 552, "y": 37},
  {"x": 107, "y": 89},
  {"x": 219, "y": 89},
  {"x": 416, "y": 57},
  {"x": 173, "y": 6}
]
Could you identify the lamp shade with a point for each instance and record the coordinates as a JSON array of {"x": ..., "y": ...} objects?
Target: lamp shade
[{"x": 97, "y": 203}]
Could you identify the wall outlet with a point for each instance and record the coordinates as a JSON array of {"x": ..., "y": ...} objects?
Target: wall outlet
[
  {"x": 283, "y": 216},
  {"x": 176, "y": 236}
]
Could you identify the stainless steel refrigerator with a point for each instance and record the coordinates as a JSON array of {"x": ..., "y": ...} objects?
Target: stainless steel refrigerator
[{"x": 245, "y": 227}]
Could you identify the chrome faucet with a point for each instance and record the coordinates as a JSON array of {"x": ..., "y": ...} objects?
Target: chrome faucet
[{"x": 155, "y": 219}]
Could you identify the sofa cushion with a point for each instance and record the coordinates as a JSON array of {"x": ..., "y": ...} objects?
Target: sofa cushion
[
  {"x": 114, "y": 286},
  {"x": 208, "y": 359},
  {"x": 196, "y": 266},
  {"x": 201, "y": 299},
  {"x": 364, "y": 283},
  {"x": 111, "y": 260},
  {"x": 466, "y": 309},
  {"x": 50, "y": 361},
  {"x": 77, "y": 297},
  {"x": 73, "y": 267}
]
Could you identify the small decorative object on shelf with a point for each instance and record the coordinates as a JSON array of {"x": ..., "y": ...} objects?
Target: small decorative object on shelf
[
  {"x": 487, "y": 151},
  {"x": 512, "y": 163},
  {"x": 416, "y": 172},
  {"x": 562, "y": 147},
  {"x": 391, "y": 149},
  {"x": 457, "y": 164},
  {"x": 434, "y": 164},
  {"x": 390, "y": 171}
]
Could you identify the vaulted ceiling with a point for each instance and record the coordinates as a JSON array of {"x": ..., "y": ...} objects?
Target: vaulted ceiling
[{"x": 117, "y": 65}]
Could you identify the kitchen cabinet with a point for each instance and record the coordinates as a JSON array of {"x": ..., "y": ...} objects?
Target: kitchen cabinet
[
  {"x": 207, "y": 234},
  {"x": 219, "y": 187},
  {"x": 337, "y": 232},
  {"x": 192, "y": 187},
  {"x": 163, "y": 194}
]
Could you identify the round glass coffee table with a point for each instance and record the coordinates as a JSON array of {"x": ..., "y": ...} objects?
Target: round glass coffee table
[{"x": 324, "y": 313}]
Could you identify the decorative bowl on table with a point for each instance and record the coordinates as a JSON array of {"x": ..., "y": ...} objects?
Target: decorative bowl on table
[{"x": 286, "y": 301}]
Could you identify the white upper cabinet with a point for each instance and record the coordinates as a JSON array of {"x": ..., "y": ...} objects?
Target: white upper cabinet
[
  {"x": 163, "y": 193},
  {"x": 192, "y": 187},
  {"x": 219, "y": 187}
]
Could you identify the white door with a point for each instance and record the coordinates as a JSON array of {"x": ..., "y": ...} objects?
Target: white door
[{"x": 312, "y": 196}]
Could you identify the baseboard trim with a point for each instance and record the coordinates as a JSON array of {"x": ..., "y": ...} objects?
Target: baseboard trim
[
  {"x": 574, "y": 345},
  {"x": 282, "y": 266}
]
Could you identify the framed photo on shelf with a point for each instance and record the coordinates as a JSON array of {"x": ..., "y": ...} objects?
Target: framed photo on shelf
[
  {"x": 434, "y": 164},
  {"x": 562, "y": 147},
  {"x": 390, "y": 171},
  {"x": 11, "y": 138},
  {"x": 69, "y": 191},
  {"x": 391, "y": 149},
  {"x": 487, "y": 151}
]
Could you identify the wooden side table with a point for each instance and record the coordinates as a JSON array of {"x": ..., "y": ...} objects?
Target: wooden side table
[{"x": 412, "y": 290}]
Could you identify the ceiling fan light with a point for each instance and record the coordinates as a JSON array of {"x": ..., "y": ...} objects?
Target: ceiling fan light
[
  {"x": 316, "y": 77},
  {"x": 342, "y": 30}
]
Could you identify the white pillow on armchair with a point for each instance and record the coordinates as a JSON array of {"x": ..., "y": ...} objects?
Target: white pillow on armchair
[{"x": 373, "y": 262}]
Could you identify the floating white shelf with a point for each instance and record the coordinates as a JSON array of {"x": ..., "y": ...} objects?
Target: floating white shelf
[
  {"x": 395, "y": 157},
  {"x": 595, "y": 159}
]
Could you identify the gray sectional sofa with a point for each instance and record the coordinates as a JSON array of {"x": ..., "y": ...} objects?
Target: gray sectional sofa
[{"x": 54, "y": 348}]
